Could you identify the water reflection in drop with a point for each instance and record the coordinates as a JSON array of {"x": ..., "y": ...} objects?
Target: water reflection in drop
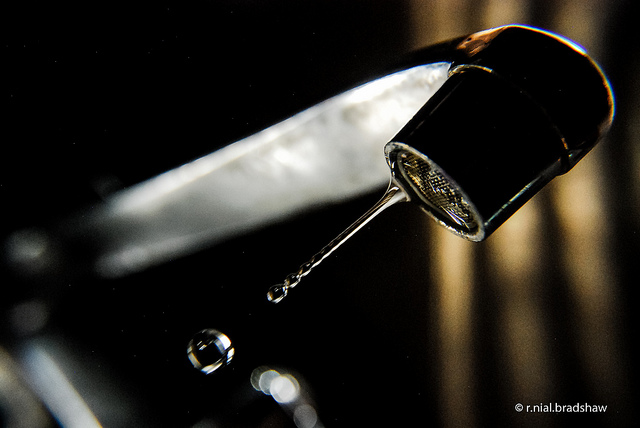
[{"x": 210, "y": 350}]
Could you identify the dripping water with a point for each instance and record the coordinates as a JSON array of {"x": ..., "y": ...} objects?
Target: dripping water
[{"x": 393, "y": 195}]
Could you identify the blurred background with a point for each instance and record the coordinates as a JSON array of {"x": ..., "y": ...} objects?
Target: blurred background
[{"x": 405, "y": 325}]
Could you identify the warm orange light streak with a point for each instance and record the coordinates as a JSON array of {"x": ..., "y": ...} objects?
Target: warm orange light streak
[
  {"x": 452, "y": 268},
  {"x": 590, "y": 273},
  {"x": 581, "y": 203},
  {"x": 439, "y": 20},
  {"x": 632, "y": 132},
  {"x": 453, "y": 277},
  {"x": 515, "y": 265},
  {"x": 451, "y": 261},
  {"x": 504, "y": 12},
  {"x": 516, "y": 253},
  {"x": 582, "y": 21}
]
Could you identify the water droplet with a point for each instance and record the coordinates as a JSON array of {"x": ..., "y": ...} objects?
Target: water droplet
[
  {"x": 210, "y": 350},
  {"x": 277, "y": 292}
]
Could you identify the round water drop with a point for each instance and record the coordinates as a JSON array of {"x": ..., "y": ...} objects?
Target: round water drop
[
  {"x": 277, "y": 293},
  {"x": 210, "y": 350}
]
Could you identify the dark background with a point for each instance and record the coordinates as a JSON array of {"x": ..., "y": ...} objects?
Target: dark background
[{"x": 99, "y": 96}]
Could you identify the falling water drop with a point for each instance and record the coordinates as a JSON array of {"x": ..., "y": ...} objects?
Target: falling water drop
[
  {"x": 393, "y": 195},
  {"x": 210, "y": 350},
  {"x": 277, "y": 293}
]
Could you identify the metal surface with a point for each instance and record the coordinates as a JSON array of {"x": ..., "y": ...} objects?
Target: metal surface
[
  {"x": 324, "y": 155},
  {"x": 406, "y": 323}
]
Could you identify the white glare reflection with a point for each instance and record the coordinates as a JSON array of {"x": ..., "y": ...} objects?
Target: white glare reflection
[
  {"x": 305, "y": 416},
  {"x": 326, "y": 154},
  {"x": 265, "y": 381},
  {"x": 289, "y": 392},
  {"x": 55, "y": 390},
  {"x": 284, "y": 389}
]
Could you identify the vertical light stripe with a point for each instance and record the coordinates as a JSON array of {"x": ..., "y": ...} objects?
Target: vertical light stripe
[
  {"x": 452, "y": 263},
  {"x": 581, "y": 203},
  {"x": 632, "y": 134},
  {"x": 515, "y": 258},
  {"x": 582, "y": 21},
  {"x": 515, "y": 252},
  {"x": 453, "y": 277},
  {"x": 439, "y": 20},
  {"x": 514, "y": 255},
  {"x": 590, "y": 273},
  {"x": 504, "y": 12}
]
